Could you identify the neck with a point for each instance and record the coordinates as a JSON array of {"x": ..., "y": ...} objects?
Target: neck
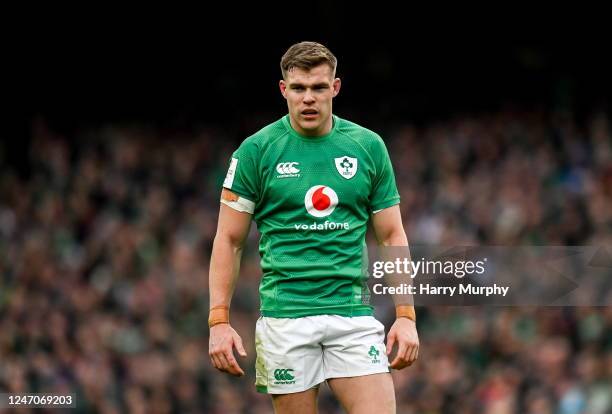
[{"x": 325, "y": 128}]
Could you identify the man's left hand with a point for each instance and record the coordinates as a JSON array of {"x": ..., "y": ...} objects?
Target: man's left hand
[{"x": 405, "y": 334}]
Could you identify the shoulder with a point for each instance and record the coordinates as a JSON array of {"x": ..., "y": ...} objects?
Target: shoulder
[
  {"x": 264, "y": 137},
  {"x": 364, "y": 136}
]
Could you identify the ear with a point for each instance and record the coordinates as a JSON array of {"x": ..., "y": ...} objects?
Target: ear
[
  {"x": 283, "y": 88},
  {"x": 336, "y": 86}
]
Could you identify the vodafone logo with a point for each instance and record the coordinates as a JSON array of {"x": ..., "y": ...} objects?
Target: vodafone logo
[{"x": 320, "y": 201}]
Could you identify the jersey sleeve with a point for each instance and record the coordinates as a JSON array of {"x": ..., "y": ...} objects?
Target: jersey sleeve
[
  {"x": 242, "y": 176},
  {"x": 384, "y": 190}
]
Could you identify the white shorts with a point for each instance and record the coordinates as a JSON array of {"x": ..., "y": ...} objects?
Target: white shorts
[{"x": 296, "y": 354}]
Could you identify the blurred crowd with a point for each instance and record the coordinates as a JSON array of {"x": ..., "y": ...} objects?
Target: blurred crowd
[{"x": 105, "y": 240}]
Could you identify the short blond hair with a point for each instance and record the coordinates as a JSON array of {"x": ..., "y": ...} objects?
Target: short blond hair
[{"x": 307, "y": 55}]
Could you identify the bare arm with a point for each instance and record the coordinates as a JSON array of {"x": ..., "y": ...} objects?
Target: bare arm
[
  {"x": 389, "y": 231},
  {"x": 388, "y": 227},
  {"x": 232, "y": 231}
]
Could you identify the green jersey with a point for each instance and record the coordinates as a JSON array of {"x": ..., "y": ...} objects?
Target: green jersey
[{"x": 311, "y": 198}]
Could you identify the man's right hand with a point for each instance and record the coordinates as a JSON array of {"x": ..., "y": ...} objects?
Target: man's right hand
[{"x": 223, "y": 338}]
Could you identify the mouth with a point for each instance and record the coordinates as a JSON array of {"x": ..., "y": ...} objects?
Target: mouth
[{"x": 310, "y": 113}]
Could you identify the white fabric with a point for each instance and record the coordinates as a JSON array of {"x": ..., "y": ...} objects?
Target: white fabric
[
  {"x": 231, "y": 173},
  {"x": 312, "y": 349},
  {"x": 242, "y": 204}
]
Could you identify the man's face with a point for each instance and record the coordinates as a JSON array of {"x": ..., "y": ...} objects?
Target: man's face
[{"x": 309, "y": 95}]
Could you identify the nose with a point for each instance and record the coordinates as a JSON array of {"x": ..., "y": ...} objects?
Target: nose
[{"x": 308, "y": 97}]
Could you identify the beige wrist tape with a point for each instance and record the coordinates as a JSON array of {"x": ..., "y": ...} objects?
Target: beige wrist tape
[
  {"x": 405, "y": 311},
  {"x": 217, "y": 315}
]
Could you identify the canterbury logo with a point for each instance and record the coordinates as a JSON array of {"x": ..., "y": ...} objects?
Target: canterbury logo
[
  {"x": 283, "y": 374},
  {"x": 287, "y": 168}
]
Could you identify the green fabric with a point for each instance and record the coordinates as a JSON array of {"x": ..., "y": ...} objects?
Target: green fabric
[{"x": 312, "y": 261}]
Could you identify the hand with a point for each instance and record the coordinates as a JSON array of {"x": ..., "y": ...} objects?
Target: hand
[
  {"x": 223, "y": 338},
  {"x": 405, "y": 334}
]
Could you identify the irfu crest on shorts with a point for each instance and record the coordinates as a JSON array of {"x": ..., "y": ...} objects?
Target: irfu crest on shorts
[{"x": 373, "y": 353}]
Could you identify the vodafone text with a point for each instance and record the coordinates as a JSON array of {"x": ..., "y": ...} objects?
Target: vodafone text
[{"x": 327, "y": 225}]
